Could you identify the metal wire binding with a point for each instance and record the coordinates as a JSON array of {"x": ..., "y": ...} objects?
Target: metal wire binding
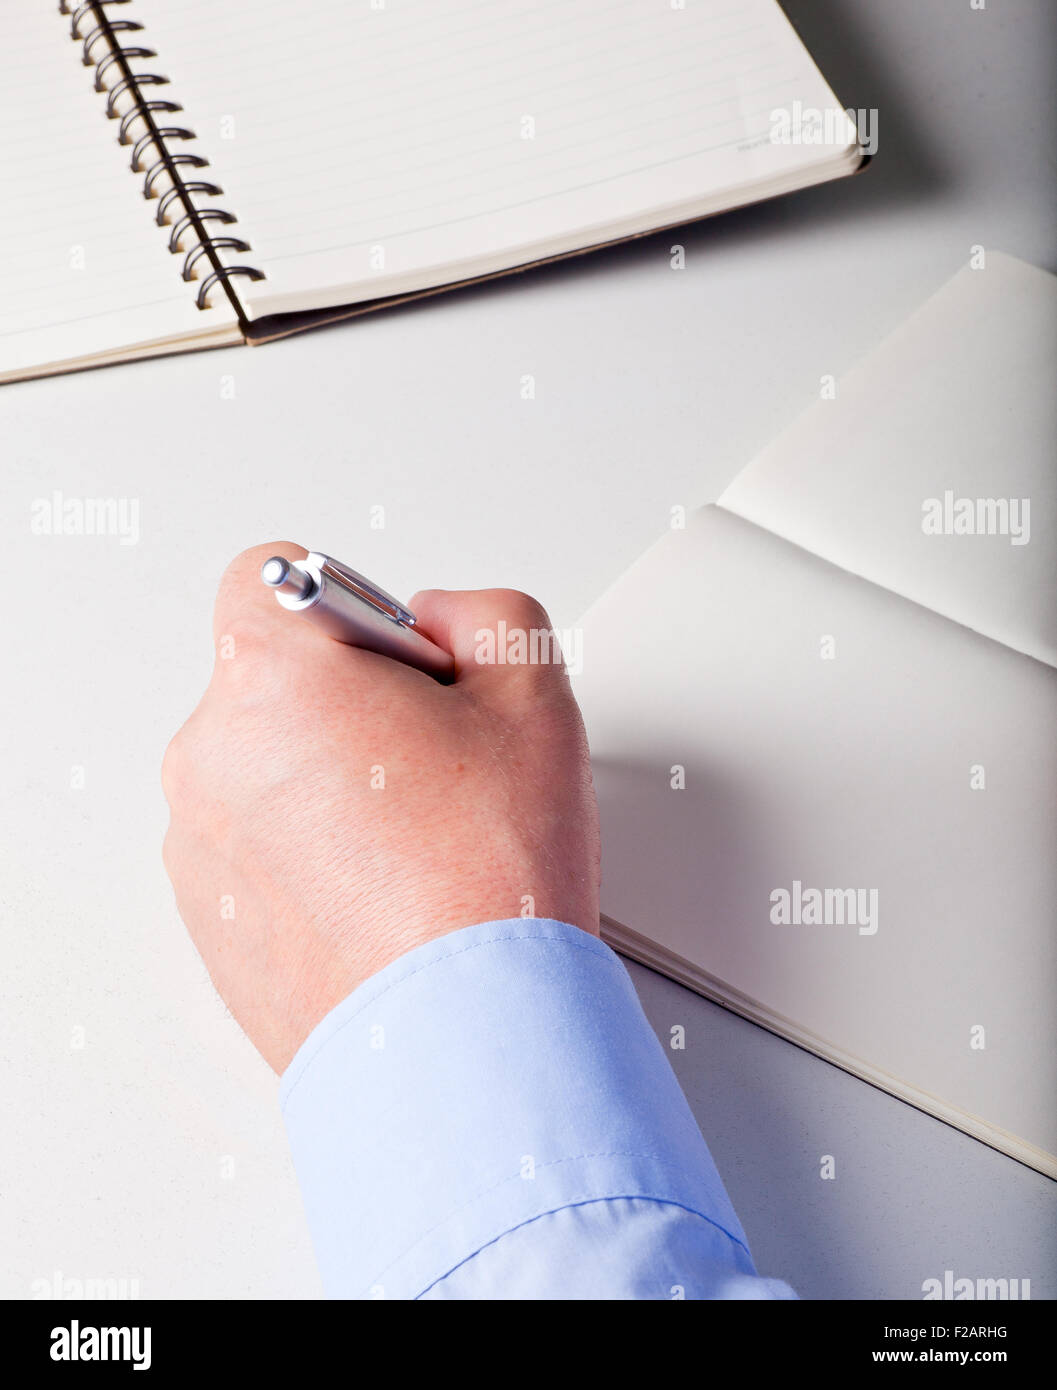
[
  {"x": 206, "y": 215},
  {"x": 139, "y": 113},
  {"x": 129, "y": 86},
  {"x": 201, "y": 299}
]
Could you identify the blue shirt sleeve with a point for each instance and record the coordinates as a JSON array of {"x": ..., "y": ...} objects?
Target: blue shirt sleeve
[{"x": 492, "y": 1116}]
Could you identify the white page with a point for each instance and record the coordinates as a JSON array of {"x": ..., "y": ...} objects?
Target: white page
[
  {"x": 959, "y": 400},
  {"x": 346, "y": 133},
  {"x": 84, "y": 270},
  {"x": 855, "y": 772}
]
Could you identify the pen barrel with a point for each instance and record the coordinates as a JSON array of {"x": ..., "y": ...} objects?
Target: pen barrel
[
  {"x": 349, "y": 608},
  {"x": 377, "y": 633},
  {"x": 357, "y": 624}
]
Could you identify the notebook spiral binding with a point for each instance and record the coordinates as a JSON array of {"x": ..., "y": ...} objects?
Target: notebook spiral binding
[{"x": 103, "y": 48}]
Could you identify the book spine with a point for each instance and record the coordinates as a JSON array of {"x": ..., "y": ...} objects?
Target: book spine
[{"x": 201, "y": 230}]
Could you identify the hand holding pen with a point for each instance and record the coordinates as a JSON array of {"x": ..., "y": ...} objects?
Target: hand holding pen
[
  {"x": 349, "y": 608},
  {"x": 351, "y": 810}
]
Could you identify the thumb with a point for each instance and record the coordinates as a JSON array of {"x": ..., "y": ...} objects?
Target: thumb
[{"x": 501, "y": 640}]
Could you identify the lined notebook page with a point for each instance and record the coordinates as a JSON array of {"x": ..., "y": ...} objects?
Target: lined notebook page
[
  {"x": 382, "y": 147},
  {"x": 83, "y": 268}
]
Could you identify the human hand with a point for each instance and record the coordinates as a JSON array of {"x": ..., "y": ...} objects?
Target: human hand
[{"x": 332, "y": 809}]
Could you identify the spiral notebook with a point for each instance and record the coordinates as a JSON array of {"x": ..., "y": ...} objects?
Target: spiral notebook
[
  {"x": 199, "y": 175},
  {"x": 823, "y": 724}
]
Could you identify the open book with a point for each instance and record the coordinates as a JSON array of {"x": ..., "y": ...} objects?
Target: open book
[
  {"x": 263, "y": 170},
  {"x": 823, "y": 720}
]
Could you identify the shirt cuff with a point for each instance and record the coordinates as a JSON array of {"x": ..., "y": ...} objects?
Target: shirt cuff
[{"x": 481, "y": 1081}]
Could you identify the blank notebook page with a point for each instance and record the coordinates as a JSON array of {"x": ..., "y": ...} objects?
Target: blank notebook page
[
  {"x": 83, "y": 268},
  {"x": 831, "y": 773},
  {"x": 366, "y": 149},
  {"x": 960, "y": 404}
]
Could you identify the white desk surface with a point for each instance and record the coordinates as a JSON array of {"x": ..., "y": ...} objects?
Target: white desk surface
[{"x": 155, "y": 1152}]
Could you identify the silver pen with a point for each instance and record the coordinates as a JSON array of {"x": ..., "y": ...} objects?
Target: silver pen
[{"x": 351, "y": 609}]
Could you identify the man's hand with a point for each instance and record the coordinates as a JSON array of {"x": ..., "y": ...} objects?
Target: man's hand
[{"x": 333, "y": 809}]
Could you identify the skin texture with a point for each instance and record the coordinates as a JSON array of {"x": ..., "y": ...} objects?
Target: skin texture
[{"x": 487, "y": 801}]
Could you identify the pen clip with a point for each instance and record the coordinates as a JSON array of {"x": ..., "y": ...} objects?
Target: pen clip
[{"x": 363, "y": 588}]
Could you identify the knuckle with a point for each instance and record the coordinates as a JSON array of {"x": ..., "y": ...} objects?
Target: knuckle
[
  {"x": 239, "y": 643},
  {"x": 182, "y": 760},
  {"x": 168, "y": 854},
  {"x": 240, "y": 581},
  {"x": 523, "y": 609},
  {"x": 174, "y": 765},
  {"x": 245, "y": 567}
]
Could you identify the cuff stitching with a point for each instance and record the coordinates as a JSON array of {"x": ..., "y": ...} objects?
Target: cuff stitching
[
  {"x": 554, "y": 1163},
  {"x": 584, "y": 1202}
]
